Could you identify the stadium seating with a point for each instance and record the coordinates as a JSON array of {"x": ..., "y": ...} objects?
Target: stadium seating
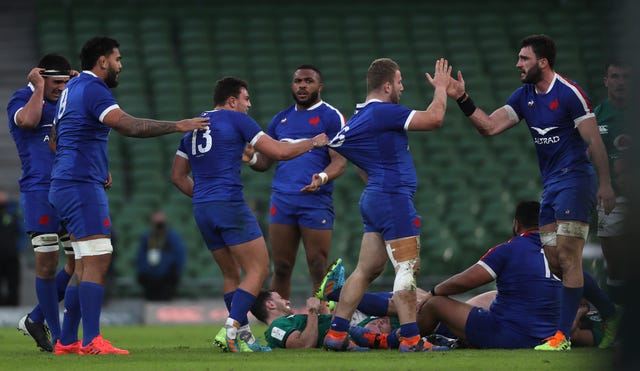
[{"x": 174, "y": 52}]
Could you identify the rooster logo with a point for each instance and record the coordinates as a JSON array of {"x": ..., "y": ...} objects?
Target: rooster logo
[
  {"x": 554, "y": 105},
  {"x": 314, "y": 120}
]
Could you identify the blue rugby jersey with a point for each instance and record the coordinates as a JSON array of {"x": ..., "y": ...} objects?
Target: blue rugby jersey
[
  {"x": 553, "y": 118},
  {"x": 81, "y": 137},
  {"x": 528, "y": 298},
  {"x": 36, "y": 157},
  {"x": 292, "y": 125},
  {"x": 215, "y": 154}
]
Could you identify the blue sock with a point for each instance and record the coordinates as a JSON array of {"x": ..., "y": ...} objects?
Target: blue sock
[
  {"x": 228, "y": 297},
  {"x": 36, "y": 314},
  {"x": 91, "y": 297},
  {"x": 570, "y": 300},
  {"x": 339, "y": 324},
  {"x": 242, "y": 303},
  {"x": 409, "y": 330},
  {"x": 375, "y": 304},
  {"x": 392, "y": 339},
  {"x": 72, "y": 316},
  {"x": 48, "y": 302},
  {"x": 62, "y": 279},
  {"x": 335, "y": 295},
  {"x": 596, "y": 296}
]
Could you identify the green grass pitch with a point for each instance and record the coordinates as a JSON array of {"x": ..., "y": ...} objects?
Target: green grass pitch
[{"x": 189, "y": 348}]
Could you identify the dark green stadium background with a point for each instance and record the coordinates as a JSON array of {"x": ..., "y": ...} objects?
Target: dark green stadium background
[{"x": 173, "y": 52}]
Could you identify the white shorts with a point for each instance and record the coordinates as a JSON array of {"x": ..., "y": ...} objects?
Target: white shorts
[{"x": 612, "y": 225}]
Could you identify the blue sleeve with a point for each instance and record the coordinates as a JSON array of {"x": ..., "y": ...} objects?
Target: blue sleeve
[
  {"x": 497, "y": 258},
  {"x": 391, "y": 116},
  {"x": 514, "y": 102},
  {"x": 579, "y": 103},
  {"x": 248, "y": 127},
  {"x": 182, "y": 147},
  {"x": 17, "y": 101},
  {"x": 98, "y": 98},
  {"x": 334, "y": 123}
]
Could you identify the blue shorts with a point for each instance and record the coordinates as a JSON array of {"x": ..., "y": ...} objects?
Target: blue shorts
[
  {"x": 390, "y": 214},
  {"x": 306, "y": 211},
  {"x": 572, "y": 199},
  {"x": 39, "y": 215},
  {"x": 484, "y": 330},
  {"x": 226, "y": 223},
  {"x": 82, "y": 207}
]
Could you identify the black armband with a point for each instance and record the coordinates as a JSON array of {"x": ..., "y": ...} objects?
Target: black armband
[{"x": 466, "y": 104}]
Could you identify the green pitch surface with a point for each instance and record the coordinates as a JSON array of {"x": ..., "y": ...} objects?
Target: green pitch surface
[{"x": 189, "y": 348}]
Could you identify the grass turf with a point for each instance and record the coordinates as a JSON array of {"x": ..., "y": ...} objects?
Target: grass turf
[{"x": 189, "y": 348}]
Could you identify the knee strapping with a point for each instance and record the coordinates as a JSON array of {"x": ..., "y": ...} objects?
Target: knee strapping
[
  {"x": 573, "y": 229},
  {"x": 404, "y": 254},
  {"x": 548, "y": 239},
  {"x": 45, "y": 242},
  {"x": 99, "y": 246}
]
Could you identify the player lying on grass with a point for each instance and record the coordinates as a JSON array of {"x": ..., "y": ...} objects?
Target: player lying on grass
[{"x": 289, "y": 330}]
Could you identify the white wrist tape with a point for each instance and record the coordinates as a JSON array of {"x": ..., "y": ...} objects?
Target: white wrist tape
[
  {"x": 324, "y": 177},
  {"x": 253, "y": 160}
]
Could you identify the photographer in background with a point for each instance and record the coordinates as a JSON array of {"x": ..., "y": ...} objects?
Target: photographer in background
[{"x": 160, "y": 260}]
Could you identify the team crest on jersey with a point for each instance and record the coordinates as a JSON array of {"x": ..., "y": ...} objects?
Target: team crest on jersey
[
  {"x": 554, "y": 105},
  {"x": 45, "y": 139},
  {"x": 314, "y": 120}
]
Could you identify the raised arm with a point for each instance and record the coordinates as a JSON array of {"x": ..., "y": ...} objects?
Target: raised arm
[
  {"x": 29, "y": 116},
  {"x": 487, "y": 125},
  {"x": 433, "y": 116},
  {"x": 131, "y": 126}
]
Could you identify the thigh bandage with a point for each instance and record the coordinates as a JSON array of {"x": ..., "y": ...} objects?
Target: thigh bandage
[
  {"x": 573, "y": 229},
  {"x": 404, "y": 255},
  {"x": 45, "y": 242},
  {"x": 99, "y": 246},
  {"x": 65, "y": 241},
  {"x": 548, "y": 239}
]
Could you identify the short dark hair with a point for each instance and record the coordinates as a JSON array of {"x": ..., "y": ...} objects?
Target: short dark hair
[
  {"x": 307, "y": 66},
  {"x": 615, "y": 61},
  {"x": 259, "y": 308},
  {"x": 226, "y": 87},
  {"x": 527, "y": 214},
  {"x": 55, "y": 62},
  {"x": 543, "y": 47},
  {"x": 95, "y": 48},
  {"x": 380, "y": 71}
]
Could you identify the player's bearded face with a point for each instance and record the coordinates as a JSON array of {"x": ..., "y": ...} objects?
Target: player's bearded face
[
  {"x": 533, "y": 75},
  {"x": 112, "y": 77},
  {"x": 311, "y": 99}
]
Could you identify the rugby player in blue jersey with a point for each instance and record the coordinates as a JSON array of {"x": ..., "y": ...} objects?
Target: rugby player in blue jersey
[
  {"x": 302, "y": 188},
  {"x": 375, "y": 139},
  {"x": 214, "y": 157},
  {"x": 86, "y": 113},
  {"x": 31, "y": 111},
  {"x": 526, "y": 308},
  {"x": 562, "y": 125}
]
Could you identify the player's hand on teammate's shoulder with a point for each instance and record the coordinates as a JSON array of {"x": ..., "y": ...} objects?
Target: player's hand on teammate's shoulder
[{"x": 196, "y": 123}]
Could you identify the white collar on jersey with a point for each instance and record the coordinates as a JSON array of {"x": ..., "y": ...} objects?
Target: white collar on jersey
[
  {"x": 295, "y": 106},
  {"x": 90, "y": 73},
  {"x": 553, "y": 82},
  {"x": 360, "y": 105}
]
